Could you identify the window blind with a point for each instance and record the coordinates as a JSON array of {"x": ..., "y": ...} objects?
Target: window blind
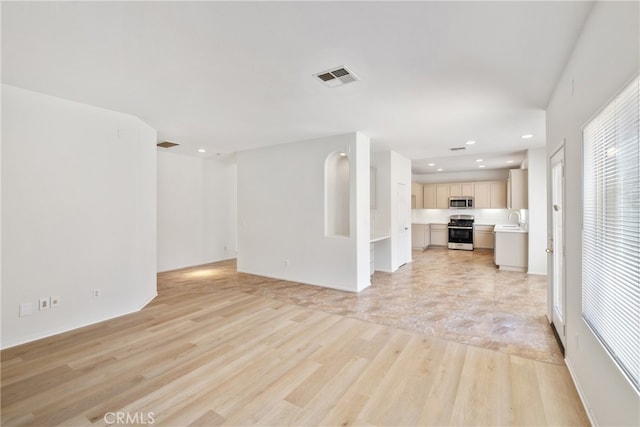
[{"x": 611, "y": 229}]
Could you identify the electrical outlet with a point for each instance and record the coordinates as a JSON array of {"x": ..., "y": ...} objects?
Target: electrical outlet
[
  {"x": 55, "y": 301},
  {"x": 96, "y": 293},
  {"x": 26, "y": 309},
  {"x": 286, "y": 263},
  {"x": 45, "y": 303}
]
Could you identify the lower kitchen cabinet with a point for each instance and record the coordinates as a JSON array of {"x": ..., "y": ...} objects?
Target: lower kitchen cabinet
[
  {"x": 483, "y": 237},
  {"x": 439, "y": 235},
  {"x": 420, "y": 236},
  {"x": 511, "y": 251}
]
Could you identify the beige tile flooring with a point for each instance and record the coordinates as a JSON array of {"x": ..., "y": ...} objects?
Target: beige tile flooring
[{"x": 457, "y": 295}]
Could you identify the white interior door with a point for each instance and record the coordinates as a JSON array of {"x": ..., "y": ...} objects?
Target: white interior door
[
  {"x": 556, "y": 245},
  {"x": 403, "y": 209}
]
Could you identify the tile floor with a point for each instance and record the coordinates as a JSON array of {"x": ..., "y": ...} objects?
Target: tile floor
[{"x": 457, "y": 295}]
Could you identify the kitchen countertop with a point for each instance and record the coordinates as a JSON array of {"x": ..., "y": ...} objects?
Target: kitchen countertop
[{"x": 509, "y": 228}]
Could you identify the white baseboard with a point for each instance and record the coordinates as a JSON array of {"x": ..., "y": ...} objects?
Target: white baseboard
[{"x": 587, "y": 408}]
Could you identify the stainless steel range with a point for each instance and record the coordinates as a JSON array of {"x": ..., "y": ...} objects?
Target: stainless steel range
[{"x": 461, "y": 232}]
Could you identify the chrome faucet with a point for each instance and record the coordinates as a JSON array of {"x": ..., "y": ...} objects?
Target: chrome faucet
[{"x": 515, "y": 212}]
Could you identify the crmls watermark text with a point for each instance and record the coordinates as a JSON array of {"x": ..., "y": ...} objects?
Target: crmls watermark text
[{"x": 129, "y": 418}]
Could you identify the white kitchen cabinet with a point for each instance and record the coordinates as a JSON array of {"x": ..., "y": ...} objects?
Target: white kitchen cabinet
[
  {"x": 498, "y": 195},
  {"x": 420, "y": 236},
  {"x": 439, "y": 235},
  {"x": 466, "y": 189},
  {"x": 429, "y": 196},
  {"x": 461, "y": 189},
  {"x": 483, "y": 237},
  {"x": 511, "y": 251},
  {"x": 487, "y": 195},
  {"x": 482, "y": 195},
  {"x": 517, "y": 189},
  {"x": 417, "y": 196},
  {"x": 442, "y": 196},
  {"x": 490, "y": 195}
]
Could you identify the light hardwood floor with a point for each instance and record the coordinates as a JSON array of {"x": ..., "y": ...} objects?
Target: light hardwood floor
[{"x": 206, "y": 353}]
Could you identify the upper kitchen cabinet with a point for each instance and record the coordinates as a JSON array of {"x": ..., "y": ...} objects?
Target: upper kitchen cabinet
[
  {"x": 417, "y": 196},
  {"x": 490, "y": 195},
  {"x": 442, "y": 196},
  {"x": 487, "y": 195},
  {"x": 517, "y": 193},
  {"x": 461, "y": 189},
  {"x": 429, "y": 196},
  {"x": 435, "y": 196}
]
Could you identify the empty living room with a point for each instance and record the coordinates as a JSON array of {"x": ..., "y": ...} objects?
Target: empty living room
[{"x": 314, "y": 213}]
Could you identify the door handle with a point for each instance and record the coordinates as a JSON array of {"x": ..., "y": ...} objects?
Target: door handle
[{"x": 548, "y": 250}]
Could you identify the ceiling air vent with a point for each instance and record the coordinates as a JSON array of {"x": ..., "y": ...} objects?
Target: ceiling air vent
[
  {"x": 336, "y": 76},
  {"x": 457, "y": 148},
  {"x": 167, "y": 144}
]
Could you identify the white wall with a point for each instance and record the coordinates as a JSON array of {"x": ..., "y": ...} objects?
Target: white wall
[
  {"x": 605, "y": 58},
  {"x": 281, "y": 224},
  {"x": 196, "y": 210},
  {"x": 537, "y": 212},
  {"x": 78, "y": 213}
]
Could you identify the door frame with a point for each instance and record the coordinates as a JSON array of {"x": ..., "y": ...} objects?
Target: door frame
[
  {"x": 403, "y": 219},
  {"x": 557, "y": 320}
]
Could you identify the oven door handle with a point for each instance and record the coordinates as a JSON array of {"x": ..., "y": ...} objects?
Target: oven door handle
[{"x": 460, "y": 228}]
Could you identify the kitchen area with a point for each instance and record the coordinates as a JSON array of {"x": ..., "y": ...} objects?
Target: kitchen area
[{"x": 475, "y": 215}]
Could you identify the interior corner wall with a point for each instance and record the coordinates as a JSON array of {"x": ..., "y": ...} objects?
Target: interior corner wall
[
  {"x": 605, "y": 58},
  {"x": 196, "y": 210},
  {"x": 78, "y": 214},
  {"x": 537, "y": 178},
  {"x": 281, "y": 214}
]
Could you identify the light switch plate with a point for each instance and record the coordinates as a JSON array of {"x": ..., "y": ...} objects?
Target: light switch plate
[{"x": 45, "y": 303}]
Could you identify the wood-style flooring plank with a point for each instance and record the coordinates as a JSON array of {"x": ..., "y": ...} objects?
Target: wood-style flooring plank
[{"x": 207, "y": 353}]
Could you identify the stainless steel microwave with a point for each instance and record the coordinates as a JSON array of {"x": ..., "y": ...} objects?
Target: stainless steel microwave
[{"x": 460, "y": 202}]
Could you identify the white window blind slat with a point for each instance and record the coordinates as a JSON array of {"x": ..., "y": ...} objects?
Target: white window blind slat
[{"x": 611, "y": 229}]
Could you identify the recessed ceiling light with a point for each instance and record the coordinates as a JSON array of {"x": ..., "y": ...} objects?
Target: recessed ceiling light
[
  {"x": 431, "y": 164},
  {"x": 509, "y": 161},
  {"x": 201, "y": 150},
  {"x": 440, "y": 170},
  {"x": 470, "y": 142},
  {"x": 482, "y": 166},
  {"x": 527, "y": 136},
  {"x": 479, "y": 160}
]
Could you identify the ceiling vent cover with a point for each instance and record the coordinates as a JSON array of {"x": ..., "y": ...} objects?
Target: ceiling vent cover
[
  {"x": 336, "y": 76},
  {"x": 167, "y": 144}
]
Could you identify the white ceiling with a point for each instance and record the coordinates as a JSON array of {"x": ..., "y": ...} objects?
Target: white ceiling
[{"x": 232, "y": 76}]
